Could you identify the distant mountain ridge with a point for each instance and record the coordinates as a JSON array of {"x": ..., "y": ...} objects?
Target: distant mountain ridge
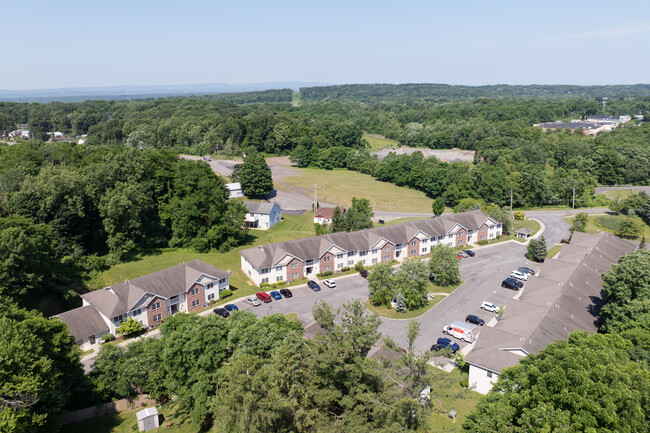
[{"x": 70, "y": 94}]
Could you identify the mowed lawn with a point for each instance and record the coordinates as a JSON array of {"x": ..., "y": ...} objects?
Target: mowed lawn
[
  {"x": 342, "y": 185},
  {"x": 291, "y": 227},
  {"x": 378, "y": 142},
  {"x": 609, "y": 223}
]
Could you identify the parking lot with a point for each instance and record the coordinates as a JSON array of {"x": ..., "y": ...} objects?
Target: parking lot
[{"x": 482, "y": 274}]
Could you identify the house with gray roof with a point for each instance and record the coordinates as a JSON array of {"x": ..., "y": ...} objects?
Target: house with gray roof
[
  {"x": 147, "y": 299},
  {"x": 564, "y": 297},
  {"x": 262, "y": 215},
  {"x": 291, "y": 260}
]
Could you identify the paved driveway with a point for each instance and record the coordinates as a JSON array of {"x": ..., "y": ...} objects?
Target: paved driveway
[{"x": 483, "y": 275}]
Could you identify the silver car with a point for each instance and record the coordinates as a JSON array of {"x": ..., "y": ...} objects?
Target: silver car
[{"x": 253, "y": 301}]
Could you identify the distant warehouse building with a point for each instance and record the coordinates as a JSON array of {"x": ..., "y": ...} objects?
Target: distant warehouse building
[{"x": 564, "y": 297}]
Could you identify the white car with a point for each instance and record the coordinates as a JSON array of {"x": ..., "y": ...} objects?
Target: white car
[
  {"x": 489, "y": 306},
  {"x": 254, "y": 302},
  {"x": 330, "y": 283},
  {"x": 519, "y": 275}
]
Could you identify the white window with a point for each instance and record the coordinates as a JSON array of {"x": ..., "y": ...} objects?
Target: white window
[
  {"x": 327, "y": 268},
  {"x": 374, "y": 251},
  {"x": 413, "y": 252},
  {"x": 469, "y": 232},
  {"x": 155, "y": 306},
  {"x": 221, "y": 281},
  {"x": 483, "y": 228},
  {"x": 387, "y": 248},
  {"x": 440, "y": 237},
  {"x": 363, "y": 253},
  {"x": 118, "y": 318},
  {"x": 339, "y": 266},
  {"x": 424, "y": 250},
  {"x": 350, "y": 253},
  {"x": 491, "y": 235},
  {"x": 424, "y": 241},
  {"x": 278, "y": 278},
  {"x": 157, "y": 317},
  {"x": 194, "y": 291},
  {"x": 265, "y": 280},
  {"x": 460, "y": 242},
  {"x": 265, "y": 270},
  {"x": 489, "y": 374},
  {"x": 339, "y": 256},
  {"x": 196, "y": 302},
  {"x": 450, "y": 244},
  {"x": 414, "y": 243},
  {"x": 294, "y": 275},
  {"x": 208, "y": 286},
  {"x": 482, "y": 237},
  {"x": 294, "y": 265},
  {"x": 211, "y": 296},
  {"x": 350, "y": 262},
  {"x": 278, "y": 268},
  {"x": 386, "y": 258},
  {"x": 326, "y": 258},
  {"x": 374, "y": 261}
]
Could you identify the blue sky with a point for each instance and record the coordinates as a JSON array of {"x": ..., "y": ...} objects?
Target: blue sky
[{"x": 74, "y": 43}]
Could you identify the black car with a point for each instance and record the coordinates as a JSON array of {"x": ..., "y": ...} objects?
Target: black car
[
  {"x": 515, "y": 281},
  {"x": 313, "y": 285},
  {"x": 470, "y": 253},
  {"x": 475, "y": 320},
  {"x": 526, "y": 270},
  {"x": 286, "y": 293},
  {"x": 509, "y": 285},
  {"x": 222, "y": 312}
]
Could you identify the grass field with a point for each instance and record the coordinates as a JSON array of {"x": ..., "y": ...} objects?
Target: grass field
[
  {"x": 390, "y": 313},
  {"x": 126, "y": 422},
  {"x": 457, "y": 398},
  {"x": 620, "y": 193},
  {"x": 341, "y": 185},
  {"x": 291, "y": 227},
  {"x": 378, "y": 142},
  {"x": 608, "y": 223},
  {"x": 398, "y": 221}
]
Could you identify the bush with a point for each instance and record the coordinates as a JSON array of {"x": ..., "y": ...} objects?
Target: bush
[
  {"x": 320, "y": 275},
  {"x": 280, "y": 283},
  {"x": 108, "y": 337},
  {"x": 345, "y": 269},
  {"x": 464, "y": 383},
  {"x": 225, "y": 293},
  {"x": 130, "y": 327},
  {"x": 520, "y": 215},
  {"x": 264, "y": 285},
  {"x": 358, "y": 266},
  {"x": 327, "y": 273},
  {"x": 482, "y": 242}
]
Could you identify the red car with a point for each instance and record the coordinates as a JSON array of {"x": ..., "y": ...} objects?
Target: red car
[
  {"x": 263, "y": 296},
  {"x": 363, "y": 273}
]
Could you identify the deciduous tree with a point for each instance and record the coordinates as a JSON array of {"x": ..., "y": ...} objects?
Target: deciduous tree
[{"x": 443, "y": 265}]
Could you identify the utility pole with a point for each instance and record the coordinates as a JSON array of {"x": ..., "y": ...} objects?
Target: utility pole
[
  {"x": 573, "y": 206},
  {"x": 510, "y": 201},
  {"x": 314, "y": 205}
]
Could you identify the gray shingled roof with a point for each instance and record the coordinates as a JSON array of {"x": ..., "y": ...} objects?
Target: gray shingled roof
[
  {"x": 259, "y": 207},
  {"x": 84, "y": 322},
  {"x": 566, "y": 296},
  {"x": 265, "y": 256}
]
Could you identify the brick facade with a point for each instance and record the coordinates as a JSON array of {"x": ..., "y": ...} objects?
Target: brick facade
[
  {"x": 482, "y": 233},
  {"x": 390, "y": 252},
  {"x": 297, "y": 270},
  {"x": 199, "y": 296},
  {"x": 410, "y": 248},
  {"x": 324, "y": 262},
  {"x": 461, "y": 237},
  {"x": 151, "y": 312}
]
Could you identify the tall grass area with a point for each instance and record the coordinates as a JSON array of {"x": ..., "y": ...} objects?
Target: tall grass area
[
  {"x": 291, "y": 227},
  {"x": 378, "y": 142},
  {"x": 609, "y": 223},
  {"x": 342, "y": 185}
]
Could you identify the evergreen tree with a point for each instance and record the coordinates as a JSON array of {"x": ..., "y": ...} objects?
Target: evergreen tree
[
  {"x": 255, "y": 176},
  {"x": 338, "y": 221},
  {"x": 359, "y": 216},
  {"x": 401, "y": 304},
  {"x": 537, "y": 249}
]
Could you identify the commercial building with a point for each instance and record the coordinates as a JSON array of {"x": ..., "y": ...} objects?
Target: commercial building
[
  {"x": 291, "y": 260},
  {"x": 564, "y": 297}
]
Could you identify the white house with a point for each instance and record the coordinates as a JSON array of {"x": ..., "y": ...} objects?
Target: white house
[
  {"x": 262, "y": 215},
  {"x": 235, "y": 190},
  {"x": 323, "y": 215}
]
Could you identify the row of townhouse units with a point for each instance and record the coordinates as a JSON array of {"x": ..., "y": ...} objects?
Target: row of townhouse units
[
  {"x": 148, "y": 299},
  {"x": 292, "y": 260}
]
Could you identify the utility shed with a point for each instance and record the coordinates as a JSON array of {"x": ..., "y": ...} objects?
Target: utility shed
[{"x": 147, "y": 419}]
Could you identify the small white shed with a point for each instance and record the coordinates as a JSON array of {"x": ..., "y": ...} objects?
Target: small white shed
[
  {"x": 147, "y": 419},
  {"x": 234, "y": 190}
]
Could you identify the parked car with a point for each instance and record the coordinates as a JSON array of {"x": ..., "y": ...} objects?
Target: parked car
[
  {"x": 471, "y": 318},
  {"x": 463, "y": 254},
  {"x": 515, "y": 282},
  {"x": 526, "y": 270},
  {"x": 444, "y": 343},
  {"x": 231, "y": 307},
  {"x": 459, "y": 256},
  {"x": 489, "y": 306},
  {"x": 519, "y": 275},
  {"x": 470, "y": 253},
  {"x": 253, "y": 301},
  {"x": 221, "y": 311},
  {"x": 509, "y": 285},
  {"x": 263, "y": 296},
  {"x": 330, "y": 283},
  {"x": 313, "y": 285},
  {"x": 286, "y": 293},
  {"x": 275, "y": 295},
  {"x": 363, "y": 273}
]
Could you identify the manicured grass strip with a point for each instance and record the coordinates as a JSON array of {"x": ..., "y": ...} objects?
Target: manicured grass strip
[
  {"x": 609, "y": 223},
  {"x": 126, "y": 422},
  {"x": 291, "y": 316},
  {"x": 342, "y": 185},
  {"x": 434, "y": 288},
  {"x": 553, "y": 251},
  {"x": 390, "y": 313}
]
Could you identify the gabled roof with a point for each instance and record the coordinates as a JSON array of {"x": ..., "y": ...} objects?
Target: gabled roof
[
  {"x": 84, "y": 322},
  {"x": 265, "y": 256},
  {"x": 566, "y": 296},
  {"x": 120, "y": 298},
  {"x": 264, "y": 208},
  {"x": 327, "y": 212},
  {"x": 144, "y": 413},
  {"x": 233, "y": 186}
]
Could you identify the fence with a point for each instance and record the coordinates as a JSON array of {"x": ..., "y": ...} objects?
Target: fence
[{"x": 139, "y": 401}]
